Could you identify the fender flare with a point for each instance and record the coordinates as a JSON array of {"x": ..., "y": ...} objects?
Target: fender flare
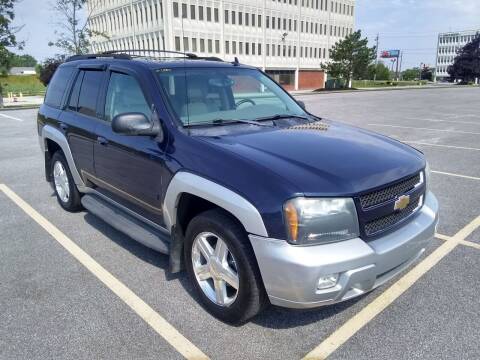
[
  {"x": 238, "y": 206},
  {"x": 51, "y": 133}
]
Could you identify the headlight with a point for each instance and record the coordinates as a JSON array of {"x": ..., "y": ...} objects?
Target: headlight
[{"x": 320, "y": 220}]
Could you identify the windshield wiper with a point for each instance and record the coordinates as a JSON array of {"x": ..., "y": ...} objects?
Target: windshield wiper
[
  {"x": 243, "y": 121},
  {"x": 282, "y": 116}
]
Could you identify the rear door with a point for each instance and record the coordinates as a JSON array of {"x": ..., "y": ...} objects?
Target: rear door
[
  {"x": 129, "y": 169},
  {"x": 80, "y": 118}
]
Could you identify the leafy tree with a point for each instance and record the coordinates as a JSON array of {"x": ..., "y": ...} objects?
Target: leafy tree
[
  {"x": 427, "y": 73},
  {"x": 47, "y": 68},
  {"x": 73, "y": 34},
  {"x": 411, "y": 74},
  {"x": 382, "y": 71},
  {"x": 350, "y": 58},
  {"x": 466, "y": 65},
  {"x": 23, "y": 60},
  {"x": 7, "y": 36}
]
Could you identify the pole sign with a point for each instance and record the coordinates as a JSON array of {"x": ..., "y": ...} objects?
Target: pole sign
[{"x": 387, "y": 54}]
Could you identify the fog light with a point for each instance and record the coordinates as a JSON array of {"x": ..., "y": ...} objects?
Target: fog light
[{"x": 327, "y": 281}]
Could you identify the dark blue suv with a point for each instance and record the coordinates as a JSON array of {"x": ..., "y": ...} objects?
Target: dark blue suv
[{"x": 214, "y": 164}]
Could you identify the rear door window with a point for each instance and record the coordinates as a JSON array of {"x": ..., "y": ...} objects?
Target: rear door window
[
  {"x": 73, "y": 101},
  {"x": 89, "y": 92},
  {"x": 58, "y": 86}
]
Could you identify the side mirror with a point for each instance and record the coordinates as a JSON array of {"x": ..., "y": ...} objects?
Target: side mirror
[
  {"x": 135, "y": 124},
  {"x": 302, "y": 104}
]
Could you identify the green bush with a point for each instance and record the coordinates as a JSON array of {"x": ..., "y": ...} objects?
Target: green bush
[{"x": 25, "y": 84}]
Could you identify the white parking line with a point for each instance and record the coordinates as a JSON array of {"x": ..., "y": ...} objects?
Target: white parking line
[
  {"x": 142, "y": 309},
  {"x": 449, "y": 121},
  {"x": 456, "y": 175},
  {"x": 369, "y": 312},
  {"x": 11, "y": 117},
  {"x": 417, "y": 128},
  {"x": 440, "y": 145}
]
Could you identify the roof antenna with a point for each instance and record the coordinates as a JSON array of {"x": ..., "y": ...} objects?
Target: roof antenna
[{"x": 235, "y": 61}]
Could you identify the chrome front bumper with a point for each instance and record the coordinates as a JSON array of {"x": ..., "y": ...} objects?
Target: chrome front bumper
[{"x": 290, "y": 273}]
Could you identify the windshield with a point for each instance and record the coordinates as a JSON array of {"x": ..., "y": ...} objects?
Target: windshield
[{"x": 213, "y": 95}]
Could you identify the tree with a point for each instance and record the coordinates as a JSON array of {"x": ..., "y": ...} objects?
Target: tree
[
  {"x": 74, "y": 34},
  {"x": 7, "y": 36},
  {"x": 411, "y": 74},
  {"x": 382, "y": 71},
  {"x": 427, "y": 73},
  {"x": 23, "y": 60},
  {"x": 45, "y": 71},
  {"x": 350, "y": 58},
  {"x": 466, "y": 66}
]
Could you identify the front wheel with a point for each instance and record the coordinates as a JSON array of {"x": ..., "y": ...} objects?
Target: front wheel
[{"x": 221, "y": 264}]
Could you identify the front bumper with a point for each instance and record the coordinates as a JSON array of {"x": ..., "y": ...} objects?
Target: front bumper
[{"x": 290, "y": 273}]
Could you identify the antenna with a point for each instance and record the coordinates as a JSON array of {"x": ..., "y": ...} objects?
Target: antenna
[{"x": 235, "y": 61}]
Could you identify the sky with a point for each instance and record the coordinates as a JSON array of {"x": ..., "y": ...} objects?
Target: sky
[
  {"x": 413, "y": 25},
  {"x": 409, "y": 25}
]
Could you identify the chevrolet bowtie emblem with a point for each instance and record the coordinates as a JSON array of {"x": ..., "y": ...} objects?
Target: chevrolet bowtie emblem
[{"x": 402, "y": 202}]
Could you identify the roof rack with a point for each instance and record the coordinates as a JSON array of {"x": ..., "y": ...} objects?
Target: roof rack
[{"x": 146, "y": 54}]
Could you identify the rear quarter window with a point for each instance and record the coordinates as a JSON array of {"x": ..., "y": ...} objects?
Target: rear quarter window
[{"x": 58, "y": 86}]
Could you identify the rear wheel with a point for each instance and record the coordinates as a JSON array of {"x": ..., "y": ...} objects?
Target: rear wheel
[
  {"x": 66, "y": 191},
  {"x": 222, "y": 267}
]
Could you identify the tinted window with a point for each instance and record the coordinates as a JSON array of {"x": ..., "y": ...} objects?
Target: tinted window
[
  {"x": 87, "y": 100},
  {"x": 124, "y": 95},
  {"x": 58, "y": 86},
  {"x": 73, "y": 102}
]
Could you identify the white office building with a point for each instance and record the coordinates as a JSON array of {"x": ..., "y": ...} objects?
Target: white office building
[
  {"x": 448, "y": 45},
  {"x": 289, "y": 39}
]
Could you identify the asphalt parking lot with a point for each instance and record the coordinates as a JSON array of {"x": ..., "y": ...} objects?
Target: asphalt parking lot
[{"x": 73, "y": 287}]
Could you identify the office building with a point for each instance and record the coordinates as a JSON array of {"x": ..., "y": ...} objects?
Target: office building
[{"x": 289, "y": 39}]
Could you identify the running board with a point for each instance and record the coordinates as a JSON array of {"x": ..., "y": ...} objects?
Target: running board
[{"x": 127, "y": 224}]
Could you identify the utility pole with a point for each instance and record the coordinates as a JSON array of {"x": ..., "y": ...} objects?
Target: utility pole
[
  {"x": 376, "y": 58},
  {"x": 401, "y": 63}
]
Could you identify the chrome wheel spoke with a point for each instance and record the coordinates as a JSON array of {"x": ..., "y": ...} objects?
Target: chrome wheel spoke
[
  {"x": 60, "y": 179},
  {"x": 205, "y": 247},
  {"x": 220, "y": 291},
  {"x": 203, "y": 272},
  {"x": 221, "y": 251},
  {"x": 230, "y": 277}
]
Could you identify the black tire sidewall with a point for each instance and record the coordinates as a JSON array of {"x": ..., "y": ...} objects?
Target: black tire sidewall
[{"x": 249, "y": 299}]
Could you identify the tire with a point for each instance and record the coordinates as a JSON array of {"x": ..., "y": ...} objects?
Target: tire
[
  {"x": 62, "y": 182},
  {"x": 250, "y": 298}
]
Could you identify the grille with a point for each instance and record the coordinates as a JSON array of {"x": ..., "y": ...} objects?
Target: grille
[
  {"x": 385, "y": 222},
  {"x": 389, "y": 193}
]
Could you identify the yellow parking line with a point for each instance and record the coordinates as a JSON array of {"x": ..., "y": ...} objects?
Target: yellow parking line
[
  {"x": 142, "y": 309},
  {"x": 352, "y": 326},
  {"x": 456, "y": 175},
  {"x": 442, "y": 237},
  {"x": 421, "y": 128},
  {"x": 462, "y": 242}
]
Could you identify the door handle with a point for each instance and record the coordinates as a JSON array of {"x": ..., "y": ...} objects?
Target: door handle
[
  {"x": 102, "y": 141},
  {"x": 63, "y": 126}
]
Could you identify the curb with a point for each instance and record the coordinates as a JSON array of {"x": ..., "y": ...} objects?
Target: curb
[
  {"x": 24, "y": 107},
  {"x": 402, "y": 88}
]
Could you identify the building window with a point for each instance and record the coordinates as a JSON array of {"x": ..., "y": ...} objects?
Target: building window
[
  {"x": 273, "y": 22},
  {"x": 200, "y": 13},
  {"x": 194, "y": 44},
  {"x": 177, "y": 43},
  {"x": 175, "y": 10},
  {"x": 185, "y": 44},
  {"x": 233, "y": 17},
  {"x": 268, "y": 22},
  {"x": 192, "y": 12},
  {"x": 240, "y": 18},
  {"x": 227, "y": 47},
  {"x": 253, "y": 19},
  {"x": 215, "y": 15},
  {"x": 259, "y": 49},
  {"x": 253, "y": 48},
  {"x": 268, "y": 49},
  {"x": 247, "y": 48},
  {"x": 259, "y": 20},
  {"x": 240, "y": 47},
  {"x": 226, "y": 16},
  {"x": 209, "y": 13},
  {"x": 202, "y": 45},
  {"x": 217, "y": 46},
  {"x": 234, "y": 47},
  {"x": 184, "y": 11},
  {"x": 247, "y": 19},
  {"x": 210, "y": 45}
]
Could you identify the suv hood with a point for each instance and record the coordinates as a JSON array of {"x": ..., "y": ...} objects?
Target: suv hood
[{"x": 325, "y": 158}]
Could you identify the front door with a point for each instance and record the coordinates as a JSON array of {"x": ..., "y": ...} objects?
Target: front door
[{"x": 129, "y": 169}]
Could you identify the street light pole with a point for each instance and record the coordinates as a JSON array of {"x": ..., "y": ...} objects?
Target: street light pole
[{"x": 376, "y": 58}]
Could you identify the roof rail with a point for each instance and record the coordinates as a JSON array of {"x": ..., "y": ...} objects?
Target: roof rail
[{"x": 129, "y": 54}]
